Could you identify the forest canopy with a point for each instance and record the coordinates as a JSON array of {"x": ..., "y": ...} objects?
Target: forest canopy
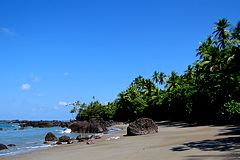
[{"x": 208, "y": 91}]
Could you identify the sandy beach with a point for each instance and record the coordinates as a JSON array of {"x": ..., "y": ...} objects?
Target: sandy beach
[{"x": 172, "y": 142}]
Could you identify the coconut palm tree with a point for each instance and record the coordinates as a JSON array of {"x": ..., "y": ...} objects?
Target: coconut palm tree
[
  {"x": 162, "y": 78},
  {"x": 172, "y": 81},
  {"x": 158, "y": 77},
  {"x": 221, "y": 33}
]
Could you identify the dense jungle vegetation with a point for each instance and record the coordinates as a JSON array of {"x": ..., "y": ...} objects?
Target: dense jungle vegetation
[{"x": 207, "y": 92}]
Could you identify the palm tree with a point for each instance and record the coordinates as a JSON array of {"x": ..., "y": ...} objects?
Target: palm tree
[
  {"x": 236, "y": 31},
  {"x": 162, "y": 78},
  {"x": 73, "y": 111},
  {"x": 203, "y": 49},
  {"x": 159, "y": 77},
  {"x": 221, "y": 34},
  {"x": 155, "y": 77},
  {"x": 172, "y": 81}
]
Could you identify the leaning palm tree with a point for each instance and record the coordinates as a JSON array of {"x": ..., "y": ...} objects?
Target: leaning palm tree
[{"x": 221, "y": 33}]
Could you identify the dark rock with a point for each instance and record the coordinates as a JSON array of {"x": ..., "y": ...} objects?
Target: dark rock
[
  {"x": 50, "y": 137},
  {"x": 46, "y": 142},
  {"x": 93, "y": 126},
  {"x": 79, "y": 127},
  {"x": 11, "y": 145},
  {"x": 1, "y": 129},
  {"x": 64, "y": 139},
  {"x": 59, "y": 143},
  {"x": 64, "y": 124},
  {"x": 71, "y": 141},
  {"x": 80, "y": 138},
  {"x": 98, "y": 125},
  {"x": 42, "y": 124},
  {"x": 2, "y": 146},
  {"x": 142, "y": 126}
]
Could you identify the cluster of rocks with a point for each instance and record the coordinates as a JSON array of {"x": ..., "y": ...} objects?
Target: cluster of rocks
[
  {"x": 94, "y": 125},
  {"x": 42, "y": 124},
  {"x": 50, "y": 138},
  {"x": 2, "y": 146},
  {"x": 141, "y": 126}
]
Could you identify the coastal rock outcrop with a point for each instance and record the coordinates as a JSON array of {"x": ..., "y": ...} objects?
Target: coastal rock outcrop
[
  {"x": 142, "y": 126},
  {"x": 98, "y": 125},
  {"x": 93, "y": 126},
  {"x": 79, "y": 126},
  {"x": 11, "y": 145},
  {"x": 64, "y": 139},
  {"x": 50, "y": 137},
  {"x": 2, "y": 146},
  {"x": 43, "y": 124}
]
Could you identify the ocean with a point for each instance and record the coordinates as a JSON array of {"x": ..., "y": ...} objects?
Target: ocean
[{"x": 28, "y": 139}]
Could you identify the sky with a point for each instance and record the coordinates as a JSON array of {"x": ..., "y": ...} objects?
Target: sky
[{"x": 54, "y": 52}]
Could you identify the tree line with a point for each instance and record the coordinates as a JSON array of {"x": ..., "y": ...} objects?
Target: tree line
[{"x": 208, "y": 91}]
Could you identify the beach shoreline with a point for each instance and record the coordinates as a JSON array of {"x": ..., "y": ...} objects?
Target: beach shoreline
[{"x": 171, "y": 142}]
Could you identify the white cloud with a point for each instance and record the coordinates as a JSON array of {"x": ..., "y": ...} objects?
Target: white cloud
[
  {"x": 62, "y": 103},
  {"x": 25, "y": 87},
  {"x": 6, "y": 31}
]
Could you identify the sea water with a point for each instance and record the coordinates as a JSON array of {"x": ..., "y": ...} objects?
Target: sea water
[{"x": 27, "y": 139}]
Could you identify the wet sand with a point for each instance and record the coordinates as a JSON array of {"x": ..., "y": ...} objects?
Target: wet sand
[{"x": 172, "y": 142}]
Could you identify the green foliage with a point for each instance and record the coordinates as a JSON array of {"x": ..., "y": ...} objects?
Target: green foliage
[
  {"x": 208, "y": 90},
  {"x": 232, "y": 108}
]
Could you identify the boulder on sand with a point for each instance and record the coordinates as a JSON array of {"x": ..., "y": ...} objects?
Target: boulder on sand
[
  {"x": 2, "y": 146},
  {"x": 50, "y": 137},
  {"x": 142, "y": 126}
]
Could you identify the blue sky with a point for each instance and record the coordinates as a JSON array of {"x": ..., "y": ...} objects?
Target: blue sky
[{"x": 58, "y": 51}]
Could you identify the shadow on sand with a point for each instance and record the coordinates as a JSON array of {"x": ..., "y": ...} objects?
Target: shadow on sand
[
  {"x": 179, "y": 124},
  {"x": 230, "y": 131},
  {"x": 230, "y": 143},
  {"x": 223, "y": 144}
]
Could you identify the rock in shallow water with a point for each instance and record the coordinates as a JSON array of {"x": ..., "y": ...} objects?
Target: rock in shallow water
[
  {"x": 2, "y": 146},
  {"x": 11, "y": 145},
  {"x": 50, "y": 137},
  {"x": 142, "y": 126}
]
